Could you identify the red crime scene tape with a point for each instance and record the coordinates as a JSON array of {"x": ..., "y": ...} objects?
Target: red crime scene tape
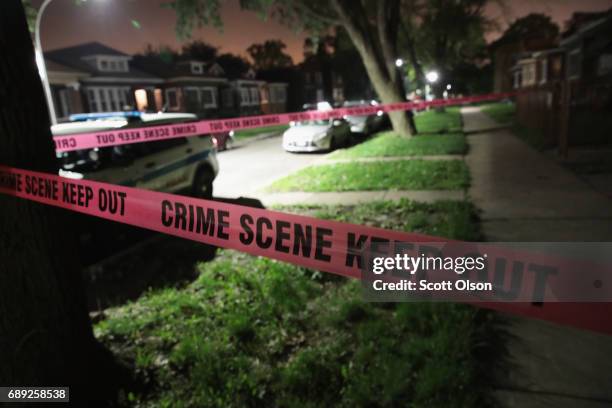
[
  {"x": 146, "y": 134},
  {"x": 323, "y": 245}
]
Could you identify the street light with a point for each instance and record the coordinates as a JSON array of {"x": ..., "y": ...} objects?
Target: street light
[
  {"x": 432, "y": 76},
  {"x": 399, "y": 62},
  {"x": 40, "y": 62}
]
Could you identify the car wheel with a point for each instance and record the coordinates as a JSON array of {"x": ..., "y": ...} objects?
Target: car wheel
[
  {"x": 203, "y": 184},
  {"x": 333, "y": 144}
]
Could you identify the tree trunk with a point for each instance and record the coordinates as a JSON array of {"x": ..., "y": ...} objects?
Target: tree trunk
[
  {"x": 378, "y": 67},
  {"x": 45, "y": 333}
]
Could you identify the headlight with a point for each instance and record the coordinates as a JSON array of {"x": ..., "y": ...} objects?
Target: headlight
[
  {"x": 70, "y": 174},
  {"x": 94, "y": 155}
]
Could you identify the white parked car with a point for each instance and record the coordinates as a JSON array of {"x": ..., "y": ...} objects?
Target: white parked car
[
  {"x": 179, "y": 165},
  {"x": 316, "y": 135}
]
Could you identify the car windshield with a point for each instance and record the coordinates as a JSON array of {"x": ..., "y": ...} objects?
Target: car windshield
[{"x": 325, "y": 122}]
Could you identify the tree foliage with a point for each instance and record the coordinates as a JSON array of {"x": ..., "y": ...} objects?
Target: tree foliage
[
  {"x": 270, "y": 55},
  {"x": 234, "y": 66},
  {"x": 446, "y": 32},
  {"x": 532, "y": 25},
  {"x": 199, "y": 50}
]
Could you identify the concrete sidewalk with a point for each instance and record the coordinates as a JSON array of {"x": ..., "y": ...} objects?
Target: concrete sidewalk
[{"x": 525, "y": 196}]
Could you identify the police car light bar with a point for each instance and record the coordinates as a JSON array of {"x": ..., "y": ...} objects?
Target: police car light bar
[{"x": 78, "y": 117}]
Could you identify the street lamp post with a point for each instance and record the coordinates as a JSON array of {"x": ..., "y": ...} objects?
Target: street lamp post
[{"x": 40, "y": 62}]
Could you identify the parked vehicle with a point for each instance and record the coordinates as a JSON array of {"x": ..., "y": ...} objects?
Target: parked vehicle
[
  {"x": 223, "y": 141},
  {"x": 317, "y": 135},
  {"x": 366, "y": 124},
  {"x": 178, "y": 165},
  {"x": 311, "y": 136}
]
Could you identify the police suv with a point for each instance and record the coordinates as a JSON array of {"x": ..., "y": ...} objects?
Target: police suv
[{"x": 179, "y": 165}]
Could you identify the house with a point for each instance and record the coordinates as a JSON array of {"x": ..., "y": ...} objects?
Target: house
[
  {"x": 112, "y": 81},
  {"x": 538, "y": 68},
  {"x": 321, "y": 81},
  {"x": 189, "y": 85},
  {"x": 274, "y": 97},
  {"x": 93, "y": 77},
  {"x": 566, "y": 91},
  {"x": 65, "y": 83},
  {"x": 505, "y": 54},
  {"x": 588, "y": 48}
]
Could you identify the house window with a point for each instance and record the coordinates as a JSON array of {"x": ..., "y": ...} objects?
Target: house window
[
  {"x": 198, "y": 98},
  {"x": 573, "y": 64},
  {"x": 604, "y": 64},
  {"x": 254, "y": 96},
  {"x": 110, "y": 64},
  {"x": 192, "y": 99},
  {"x": 105, "y": 99},
  {"x": 197, "y": 68},
  {"x": 544, "y": 71},
  {"x": 92, "y": 101},
  {"x": 172, "y": 98},
  {"x": 244, "y": 96},
  {"x": 517, "y": 79},
  {"x": 227, "y": 98},
  {"x": 209, "y": 97},
  {"x": 529, "y": 72},
  {"x": 278, "y": 95}
]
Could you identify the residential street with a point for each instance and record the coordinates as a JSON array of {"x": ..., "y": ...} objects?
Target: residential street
[{"x": 246, "y": 169}]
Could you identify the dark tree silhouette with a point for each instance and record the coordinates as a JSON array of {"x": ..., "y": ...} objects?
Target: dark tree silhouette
[
  {"x": 199, "y": 50},
  {"x": 45, "y": 332},
  {"x": 269, "y": 55}
]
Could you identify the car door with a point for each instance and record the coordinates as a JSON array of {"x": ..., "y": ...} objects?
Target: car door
[{"x": 164, "y": 165}]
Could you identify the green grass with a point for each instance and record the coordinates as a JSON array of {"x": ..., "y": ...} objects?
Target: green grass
[
  {"x": 256, "y": 332},
  {"x": 432, "y": 121},
  {"x": 451, "y": 219},
  {"x": 439, "y": 133},
  {"x": 246, "y": 133},
  {"x": 390, "y": 144},
  {"x": 501, "y": 112},
  {"x": 396, "y": 175}
]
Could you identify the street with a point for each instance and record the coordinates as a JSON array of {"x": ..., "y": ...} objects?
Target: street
[{"x": 246, "y": 169}]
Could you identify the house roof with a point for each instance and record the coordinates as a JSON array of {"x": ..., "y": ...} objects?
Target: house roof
[
  {"x": 182, "y": 69},
  {"x": 73, "y": 57},
  {"x": 585, "y": 23},
  {"x": 57, "y": 67}
]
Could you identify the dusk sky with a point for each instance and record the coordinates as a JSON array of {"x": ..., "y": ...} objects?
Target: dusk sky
[{"x": 109, "y": 22}]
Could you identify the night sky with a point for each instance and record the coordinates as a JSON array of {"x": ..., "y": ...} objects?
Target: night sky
[{"x": 109, "y": 22}]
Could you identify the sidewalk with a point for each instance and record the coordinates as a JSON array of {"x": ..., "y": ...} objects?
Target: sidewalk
[{"x": 525, "y": 196}]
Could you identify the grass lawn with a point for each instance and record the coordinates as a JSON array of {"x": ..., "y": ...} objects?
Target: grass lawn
[
  {"x": 246, "y": 133},
  {"x": 390, "y": 175},
  {"x": 501, "y": 112},
  {"x": 390, "y": 144},
  {"x": 432, "y": 121},
  {"x": 255, "y": 332}
]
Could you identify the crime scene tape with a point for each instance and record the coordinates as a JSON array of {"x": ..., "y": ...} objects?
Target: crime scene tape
[
  {"x": 323, "y": 245},
  {"x": 188, "y": 129}
]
